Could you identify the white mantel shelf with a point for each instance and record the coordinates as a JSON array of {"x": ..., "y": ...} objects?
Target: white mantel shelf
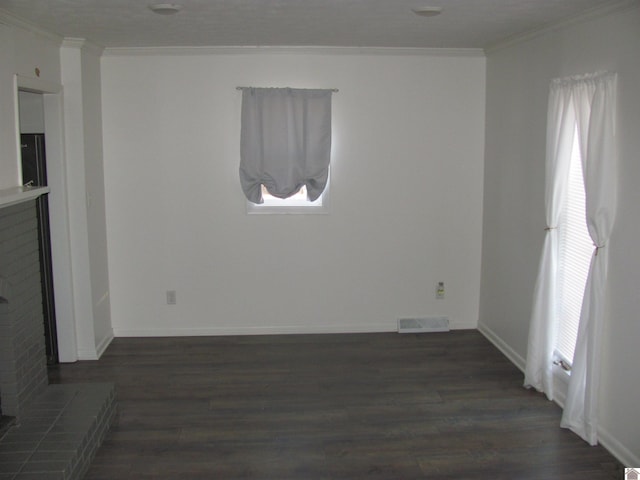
[{"x": 13, "y": 195}]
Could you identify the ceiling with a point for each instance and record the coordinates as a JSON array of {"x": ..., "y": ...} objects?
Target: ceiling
[{"x": 355, "y": 23}]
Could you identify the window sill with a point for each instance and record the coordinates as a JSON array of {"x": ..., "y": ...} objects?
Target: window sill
[
  {"x": 253, "y": 209},
  {"x": 319, "y": 207}
]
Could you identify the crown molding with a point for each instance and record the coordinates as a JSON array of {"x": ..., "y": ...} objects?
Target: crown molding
[
  {"x": 590, "y": 14},
  {"x": 293, "y": 50},
  {"x": 73, "y": 42},
  {"x": 12, "y": 20},
  {"x": 83, "y": 44}
]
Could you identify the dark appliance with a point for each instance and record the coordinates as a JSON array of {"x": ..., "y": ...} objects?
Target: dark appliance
[{"x": 34, "y": 172}]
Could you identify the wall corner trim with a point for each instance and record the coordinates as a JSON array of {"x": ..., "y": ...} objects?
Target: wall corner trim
[{"x": 82, "y": 44}]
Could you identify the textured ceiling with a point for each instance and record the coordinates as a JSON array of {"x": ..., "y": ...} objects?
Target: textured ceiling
[{"x": 359, "y": 23}]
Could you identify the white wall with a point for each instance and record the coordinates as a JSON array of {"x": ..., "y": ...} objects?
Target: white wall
[
  {"x": 77, "y": 230},
  {"x": 27, "y": 53},
  {"x": 21, "y": 53},
  {"x": 95, "y": 197},
  {"x": 83, "y": 138},
  {"x": 406, "y": 198},
  {"x": 517, "y": 87}
]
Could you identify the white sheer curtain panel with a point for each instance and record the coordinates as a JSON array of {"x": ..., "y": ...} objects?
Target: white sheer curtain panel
[
  {"x": 596, "y": 112},
  {"x": 588, "y": 103},
  {"x": 542, "y": 328}
]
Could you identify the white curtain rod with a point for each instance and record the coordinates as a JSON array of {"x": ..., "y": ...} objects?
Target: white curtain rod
[{"x": 332, "y": 89}]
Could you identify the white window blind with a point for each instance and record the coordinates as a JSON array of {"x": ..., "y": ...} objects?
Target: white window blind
[{"x": 576, "y": 249}]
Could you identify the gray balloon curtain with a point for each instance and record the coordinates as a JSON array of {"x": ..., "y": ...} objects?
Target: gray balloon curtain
[{"x": 285, "y": 141}]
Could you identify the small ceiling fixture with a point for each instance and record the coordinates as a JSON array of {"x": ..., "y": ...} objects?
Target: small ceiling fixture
[
  {"x": 165, "y": 8},
  {"x": 427, "y": 11}
]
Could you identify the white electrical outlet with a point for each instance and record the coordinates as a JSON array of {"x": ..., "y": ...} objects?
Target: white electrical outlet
[
  {"x": 440, "y": 291},
  {"x": 171, "y": 297}
]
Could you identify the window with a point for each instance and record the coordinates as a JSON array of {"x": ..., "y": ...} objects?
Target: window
[
  {"x": 575, "y": 251},
  {"x": 285, "y": 142},
  {"x": 295, "y": 204},
  {"x": 584, "y": 103}
]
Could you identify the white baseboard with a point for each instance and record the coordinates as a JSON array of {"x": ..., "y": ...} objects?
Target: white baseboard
[
  {"x": 95, "y": 354},
  {"x": 104, "y": 343},
  {"x": 269, "y": 330},
  {"x": 501, "y": 345},
  {"x": 617, "y": 449},
  {"x": 608, "y": 441},
  {"x": 87, "y": 354},
  {"x": 226, "y": 331}
]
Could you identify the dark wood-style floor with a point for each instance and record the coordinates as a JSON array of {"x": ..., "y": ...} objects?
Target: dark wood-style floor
[{"x": 363, "y": 406}]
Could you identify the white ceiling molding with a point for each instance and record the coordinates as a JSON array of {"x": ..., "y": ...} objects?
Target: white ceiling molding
[
  {"x": 590, "y": 14},
  {"x": 11, "y": 20},
  {"x": 83, "y": 44},
  {"x": 73, "y": 42},
  {"x": 286, "y": 50}
]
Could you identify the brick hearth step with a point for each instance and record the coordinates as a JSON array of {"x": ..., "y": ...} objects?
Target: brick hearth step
[{"x": 59, "y": 434}]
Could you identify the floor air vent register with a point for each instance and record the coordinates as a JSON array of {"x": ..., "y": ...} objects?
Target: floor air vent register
[{"x": 423, "y": 325}]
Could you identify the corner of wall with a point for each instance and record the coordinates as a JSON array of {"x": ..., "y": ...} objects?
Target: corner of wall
[{"x": 501, "y": 345}]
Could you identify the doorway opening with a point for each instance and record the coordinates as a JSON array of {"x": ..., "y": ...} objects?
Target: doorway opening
[{"x": 34, "y": 172}]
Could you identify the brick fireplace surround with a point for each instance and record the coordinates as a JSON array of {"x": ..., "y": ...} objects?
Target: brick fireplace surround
[{"x": 56, "y": 429}]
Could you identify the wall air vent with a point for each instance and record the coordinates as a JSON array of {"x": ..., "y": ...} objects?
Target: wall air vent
[{"x": 423, "y": 325}]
